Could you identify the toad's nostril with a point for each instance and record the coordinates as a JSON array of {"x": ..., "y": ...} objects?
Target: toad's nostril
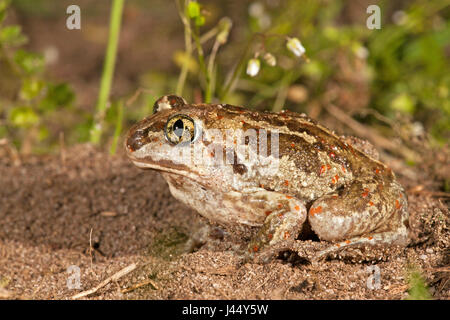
[{"x": 136, "y": 140}]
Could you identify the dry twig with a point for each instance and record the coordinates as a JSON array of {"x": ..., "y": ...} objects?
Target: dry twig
[
  {"x": 370, "y": 134},
  {"x": 114, "y": 277}
]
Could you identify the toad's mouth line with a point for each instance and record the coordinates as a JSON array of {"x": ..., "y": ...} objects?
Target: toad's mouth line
[{"x": 168, "y": 167}]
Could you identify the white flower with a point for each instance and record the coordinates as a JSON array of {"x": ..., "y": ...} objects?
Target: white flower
[
  {"x": 270, "y": 59},
  {"x": 362, "y": 52},
  {"x": 295, "y": 46},
  {"x": 253, "y": 67}
]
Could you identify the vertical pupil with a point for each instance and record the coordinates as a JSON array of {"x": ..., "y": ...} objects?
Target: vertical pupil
[{"x": 178, "y": 128}]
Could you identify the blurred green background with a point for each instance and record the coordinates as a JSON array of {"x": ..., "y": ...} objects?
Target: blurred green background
[{"x": 395, "y": 80}]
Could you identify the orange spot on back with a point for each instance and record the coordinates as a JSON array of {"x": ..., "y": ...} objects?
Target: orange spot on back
[
  {"x": 314, "y": 211},
  {"x": 297, "y": 208},
  {"x": 280, "y": 206},
  {"x": 255, "y": 248},
  {"x": 288, "y": 197},
  {"x": 286, "y": 183},
  {"x": 268, "y": 212},
  {"x": 397, "y": 204},
  {"x": 370, "y": 237},
  {"x": 370, "y": 203},
  {"x": 322, "y": 170},
  {"x": 292, "y": 145},
  {"x": 335, "y": 179},
  {"x": 348, "y": 242},
  {"x": 365, "y": 193}
]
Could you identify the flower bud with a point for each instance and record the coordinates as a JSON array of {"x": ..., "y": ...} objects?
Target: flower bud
[
  {"x": 270, "y": 59},
  {"x": 224, "y": 26},
  {"x": 295, "y": 46},
  {"x": 253, "y": 67}
]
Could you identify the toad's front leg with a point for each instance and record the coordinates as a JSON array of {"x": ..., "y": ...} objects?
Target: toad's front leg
[{"x": 285, "y": 217}]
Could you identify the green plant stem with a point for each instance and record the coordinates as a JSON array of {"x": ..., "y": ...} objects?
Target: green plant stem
[
  {"x": 211, "y": 68},
  {"x": 201, "y": 60},
  {"x": 229, "y": 86},
  {"x": 188, "y": 45},
  {"x": 108, "y": 69},
  {"x": 118, "y": 129}
]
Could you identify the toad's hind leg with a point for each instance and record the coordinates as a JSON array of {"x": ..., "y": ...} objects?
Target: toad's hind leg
[
  {"x": 363, "y": 214},
  {"x": 285, "y": 218}
]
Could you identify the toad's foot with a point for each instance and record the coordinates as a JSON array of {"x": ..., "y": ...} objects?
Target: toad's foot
[{"x": 384, "y": 238}]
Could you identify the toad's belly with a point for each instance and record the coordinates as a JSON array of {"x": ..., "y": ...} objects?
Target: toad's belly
[{"x": 228, "y": 209}]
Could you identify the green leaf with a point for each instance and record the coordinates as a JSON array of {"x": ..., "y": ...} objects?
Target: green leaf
[
  {"x": 199, "y": 21},
  {"x": 3, "y": 6},
  {"x": 58, "y": 95},
  {"x": 31, "y": 88},
  {"x": 2, "y": 16},
  {"x": 23, "y": 117},
  {"x": 403, "y": 102},
  {"x": 29, "y": 62},
  {"x": 314, "y": 69},
  {"x": 418, "y": 289},
  {"x": 12, "y": 35},
  {"x": 193, "y": 9}
]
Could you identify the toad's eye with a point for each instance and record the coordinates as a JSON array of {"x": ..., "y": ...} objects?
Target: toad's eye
[{"x": 180, "y": 128}]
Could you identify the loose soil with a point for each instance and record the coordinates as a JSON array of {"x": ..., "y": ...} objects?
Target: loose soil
[{"x": 100, "y": 213}]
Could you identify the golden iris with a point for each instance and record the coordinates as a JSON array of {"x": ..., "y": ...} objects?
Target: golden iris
[{"x": 180, "y": 128}]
